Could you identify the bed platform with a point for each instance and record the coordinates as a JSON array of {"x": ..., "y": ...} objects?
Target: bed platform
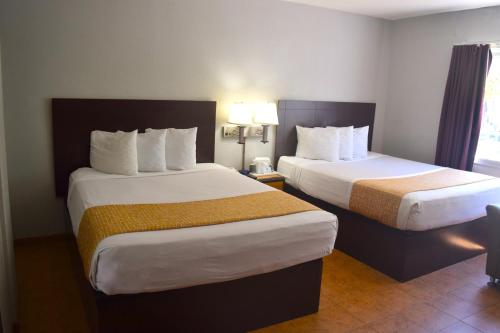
[
  {"x": 233, "y": 306},
  {"x": 402, "y": 255}
]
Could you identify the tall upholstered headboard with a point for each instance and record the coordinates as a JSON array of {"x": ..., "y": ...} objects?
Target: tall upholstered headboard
[
  {"x": 318, "y": 114},
  {"x": 74, "y": 119}
]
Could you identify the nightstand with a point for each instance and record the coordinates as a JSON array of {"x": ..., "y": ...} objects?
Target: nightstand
[{"x": 275, "y": 179}]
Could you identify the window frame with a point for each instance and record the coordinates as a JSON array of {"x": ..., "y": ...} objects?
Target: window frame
[{"x": 481, "y": 161}]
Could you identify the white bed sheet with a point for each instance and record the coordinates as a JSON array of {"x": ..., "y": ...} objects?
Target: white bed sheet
[
  {"x": 171, "y": 259},
  {"x": 332, "y": 182}
]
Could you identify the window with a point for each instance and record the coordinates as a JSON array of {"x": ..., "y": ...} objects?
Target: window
[{"x": 488, "y": 150}]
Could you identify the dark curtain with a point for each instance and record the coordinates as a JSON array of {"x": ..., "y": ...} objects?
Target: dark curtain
[{"x": 462, "y": 106}]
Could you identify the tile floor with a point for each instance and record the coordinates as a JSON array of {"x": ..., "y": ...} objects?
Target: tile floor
[{"x": 354, "y": 297}]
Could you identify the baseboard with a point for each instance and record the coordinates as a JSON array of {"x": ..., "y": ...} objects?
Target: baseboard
[{"x": 42, "y": 239}]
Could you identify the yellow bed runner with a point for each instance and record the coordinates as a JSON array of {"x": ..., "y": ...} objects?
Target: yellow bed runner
[
  {"x": 103, "y": 221},
  {"x": 379, "y": 199}
]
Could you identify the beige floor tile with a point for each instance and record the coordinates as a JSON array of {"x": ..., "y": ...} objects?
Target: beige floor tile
[
  {"x": 364, "y": 329},
  {"x": 487, "y": 320},
  {"x": 494, "y": 310},
  {"x": 429, "y": 317},
  {"x": 466, "y": 276},
  {"x": 456, "y": 306},
  {"x": 331, "y": 319},
  {"x": 460, "y": 327},
  {"x": 443, "y": 281},
  {"x": 421, "y": 290},
  {"x": 481, "y": 295},
  {"x": 397, "y": 323},
  {"x": 397, "y": 298},
  {"x": 366, "y": 307},
  {"x": 337, "y": 319}
]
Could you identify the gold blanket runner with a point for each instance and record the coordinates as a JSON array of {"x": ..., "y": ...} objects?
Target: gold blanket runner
[
  {"x": 103, "y": 221},
  {"x": 379, "y": 199}
]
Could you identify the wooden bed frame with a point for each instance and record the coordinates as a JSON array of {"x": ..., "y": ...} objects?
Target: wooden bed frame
[
  {"x": 233, "y": 306},
  {"x": 403, "y": 255}
]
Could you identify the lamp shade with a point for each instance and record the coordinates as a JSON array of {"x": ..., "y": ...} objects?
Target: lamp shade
[
  {"x": 240, "y": 114},
  {"x": 266, "y": 114}
]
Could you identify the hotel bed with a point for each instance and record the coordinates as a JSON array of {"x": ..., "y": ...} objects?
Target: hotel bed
[
  {"x": 419, "y": 211},
  {"x": 430, "y": 229},
  {"x": 171, "y": 259},
  {"x": 227, "y": 277}
]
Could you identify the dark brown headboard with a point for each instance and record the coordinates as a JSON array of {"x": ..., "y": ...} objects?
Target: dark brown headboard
[
  {"x": 74, "y": 119},
  {"x": 318, "y": 114}
]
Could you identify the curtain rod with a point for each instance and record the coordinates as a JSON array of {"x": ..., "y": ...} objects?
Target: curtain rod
[{"x": 494, "y": 43}]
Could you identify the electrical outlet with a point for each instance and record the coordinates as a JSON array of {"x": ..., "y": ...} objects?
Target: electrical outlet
[
  {"x": 255, "y": 131},
  {"x": 230, "y": 131}
]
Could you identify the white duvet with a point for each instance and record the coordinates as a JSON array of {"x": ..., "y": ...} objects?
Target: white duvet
[
  {"x": 171, "y": 259},
  {"x": 332, "y": 182}
]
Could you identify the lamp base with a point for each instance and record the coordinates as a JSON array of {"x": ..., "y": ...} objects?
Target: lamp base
[
  {"x": 241, "y": 135},
  {"x": 265, "y": 133}
]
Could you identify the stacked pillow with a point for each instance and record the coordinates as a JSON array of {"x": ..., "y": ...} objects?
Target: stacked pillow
[
  {"x": 360, "y": 142},
  {"x": 318, "y": 143},
  {"x": 128, "y": 153},
  {"x": 151, "y": 151},
  {"x": 180, "y": 147},
  {"x": 332, "y": 143},
  {"x": 114, "y": 152}
]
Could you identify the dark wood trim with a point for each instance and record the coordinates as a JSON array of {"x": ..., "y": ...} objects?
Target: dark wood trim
[
  {"x": 233, "y": 306},
  {"x": 42, "y": 239},
  {"x": 403, "y": 255},
  {"x": 74, "y": 119},
  {"x": 318, "y": 114}
]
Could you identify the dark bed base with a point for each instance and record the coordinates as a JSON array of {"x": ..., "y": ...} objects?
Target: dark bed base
[
  {"x": 233, "y": 306},
  {"x": 403, "y": 255}
]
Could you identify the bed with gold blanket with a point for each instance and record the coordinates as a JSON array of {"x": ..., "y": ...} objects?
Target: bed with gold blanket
[
  {"x": 402, "y": 194},
  {"x": 380, "y": 199},
  {"x": 162, "y": 231}
]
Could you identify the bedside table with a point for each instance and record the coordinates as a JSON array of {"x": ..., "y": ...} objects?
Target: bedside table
[{"x": 274, "y": 180}]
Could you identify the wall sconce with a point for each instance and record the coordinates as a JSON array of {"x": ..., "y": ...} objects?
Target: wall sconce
[
  {"x": 240, "y": 114},
  {"x": 265, "y": 114}
]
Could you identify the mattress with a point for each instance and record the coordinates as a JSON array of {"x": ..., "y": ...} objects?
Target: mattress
[
  {"x": 424, "y": 210},
  {"x": 177, "y": 258}
]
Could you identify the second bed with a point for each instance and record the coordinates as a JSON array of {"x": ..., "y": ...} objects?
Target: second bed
[
  {"x": 419, "y": 211},
  {"x": 404, "y": 218}
]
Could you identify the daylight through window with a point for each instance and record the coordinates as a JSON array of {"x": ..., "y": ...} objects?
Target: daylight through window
[{"x": 488, "y": 150}]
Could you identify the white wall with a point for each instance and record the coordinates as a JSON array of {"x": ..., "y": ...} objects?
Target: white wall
[
  {"x": 7, "y": 284},
  {"x": 420, "y": 58},
  {"x": 223, "y": 50}
]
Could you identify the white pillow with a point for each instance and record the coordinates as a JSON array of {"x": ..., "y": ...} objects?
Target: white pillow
[
  {"x": 180, "y": 148},
  {"x": 114, "y": 152},
  {"x": 151, "y": 151},
  {"x": 346, "y": 145},
  {"x": 318, "y": 143},
  {"x": 361, "y": 142}
]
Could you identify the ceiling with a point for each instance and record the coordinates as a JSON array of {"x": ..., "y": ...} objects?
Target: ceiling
[{"x": 397, "y": 9}]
